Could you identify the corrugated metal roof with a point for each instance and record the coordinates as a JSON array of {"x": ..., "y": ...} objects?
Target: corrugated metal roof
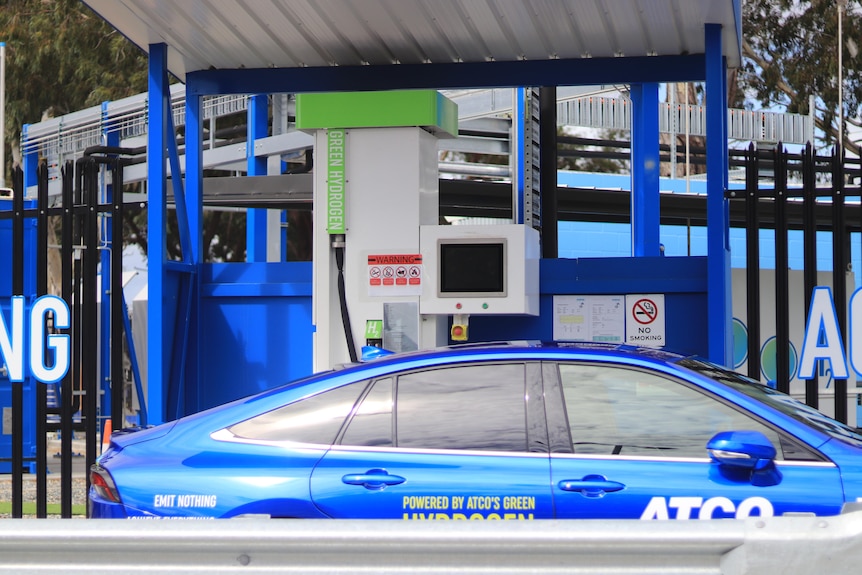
[{"x": 235, "y": 34}]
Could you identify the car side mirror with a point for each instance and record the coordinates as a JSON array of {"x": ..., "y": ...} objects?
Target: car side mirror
[{"x": 746, "y": 450}]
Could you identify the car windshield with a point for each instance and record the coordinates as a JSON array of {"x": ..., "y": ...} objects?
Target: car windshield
[{"x": 775, "y": 399}]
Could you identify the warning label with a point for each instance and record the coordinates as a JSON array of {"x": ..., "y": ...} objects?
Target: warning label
[
  {"x": 394, "y": 274},
  {"x": 645, "y": 323}
]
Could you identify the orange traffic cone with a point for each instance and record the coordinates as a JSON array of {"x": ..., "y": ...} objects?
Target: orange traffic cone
[{"x": 107, "y": 430}]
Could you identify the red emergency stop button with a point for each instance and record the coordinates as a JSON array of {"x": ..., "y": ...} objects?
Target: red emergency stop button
[{"x": 458, "y": 332}]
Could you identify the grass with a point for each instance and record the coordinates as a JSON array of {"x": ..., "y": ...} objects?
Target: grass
[{"x": 29, "y": 508}]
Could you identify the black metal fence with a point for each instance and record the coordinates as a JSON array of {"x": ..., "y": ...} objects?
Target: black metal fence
[
  {"x": 77, "y": 217},
  {"x": 810, "y": 192}
]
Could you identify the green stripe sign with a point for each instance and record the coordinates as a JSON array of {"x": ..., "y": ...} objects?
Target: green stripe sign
[
  {"x": 335, "y": 152},
  {"x": 427, "y": 109}
]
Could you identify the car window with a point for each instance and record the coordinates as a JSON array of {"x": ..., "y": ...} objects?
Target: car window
[
  {"x": 775, "y": 399},
  {"x": 626, "y": 411},
  {"x": 315, "y": 419},
  {"x": 371, "y": 425},
  {"x": 476, "y": 407}
]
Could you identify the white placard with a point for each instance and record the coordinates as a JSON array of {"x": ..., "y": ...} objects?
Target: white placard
[{"x": 593, "y": 318}]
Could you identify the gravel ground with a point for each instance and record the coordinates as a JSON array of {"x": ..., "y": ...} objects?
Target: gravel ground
[
  {"x": 54, "y": 480},
  {"x": 53, "y": 486}
]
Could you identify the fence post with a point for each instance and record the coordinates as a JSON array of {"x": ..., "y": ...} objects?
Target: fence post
[
  {"x": 782, "y": 278},
  {"x": 840, "y": 261},
  {"x": 809, "y": 251},
  {"x": 752, "y": 264}
]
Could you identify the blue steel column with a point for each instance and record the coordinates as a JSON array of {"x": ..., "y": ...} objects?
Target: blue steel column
[
  {"x": 111, "y": 138},
  {"x": 645, "y": 170},
  {"x": 195, "y": 214},
  {"x": 519, "y": 124},
  {"x": 158, "y": 332},
  {"x": 258, "y": 116},
  {"x": 717, "y": 216}
]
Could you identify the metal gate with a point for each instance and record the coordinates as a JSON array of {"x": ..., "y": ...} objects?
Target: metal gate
[{"x": 79, "y": 215}]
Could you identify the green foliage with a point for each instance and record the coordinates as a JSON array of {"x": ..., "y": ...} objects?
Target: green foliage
[
  {"x": 790, "y": 50},
  {"x": 60, "y": 58}
]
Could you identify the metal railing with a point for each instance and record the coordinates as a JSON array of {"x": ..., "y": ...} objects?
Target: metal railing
[
  {"x": 66, "y": 137},
  {"x": 786, "y": 545}
]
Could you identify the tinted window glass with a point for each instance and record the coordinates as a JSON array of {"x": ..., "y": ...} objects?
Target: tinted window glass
[
  {"x": 618, "y": 411},
  {"x": 467, "y": 407},
  {"x": 315, "y": 419},
  {"x": 775, "y": 399},
  {"x": 371, "y": 425}
]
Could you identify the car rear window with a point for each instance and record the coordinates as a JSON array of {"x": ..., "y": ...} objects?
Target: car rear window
[{"x": 315, "y": 419}]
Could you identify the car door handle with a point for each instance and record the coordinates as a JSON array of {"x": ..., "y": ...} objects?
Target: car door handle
[
  {"x": 591, "y": 485},
  {"x": 373, "y": 479}
]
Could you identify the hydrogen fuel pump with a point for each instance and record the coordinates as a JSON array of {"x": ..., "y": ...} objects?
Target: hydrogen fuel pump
[{"x": 384, "y": 271}]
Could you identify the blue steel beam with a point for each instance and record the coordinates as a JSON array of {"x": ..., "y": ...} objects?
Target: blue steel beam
[
  {"x": 561, "y": 72},
  {"x": 717, "y": 206},
  {"x": 645, "y": 170}
]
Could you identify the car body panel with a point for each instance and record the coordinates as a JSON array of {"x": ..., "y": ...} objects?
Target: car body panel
[
  {"x": 654, "y": 488},
  {"x": 437, "y": 485}
]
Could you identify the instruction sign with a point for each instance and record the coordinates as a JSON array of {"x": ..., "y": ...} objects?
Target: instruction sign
[
  {"x": 645, "y": 320},
  {"x": 394, "y": 274},
  {"x": 593, "y": 318}
]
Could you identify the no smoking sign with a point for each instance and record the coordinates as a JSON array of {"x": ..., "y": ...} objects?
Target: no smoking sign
[{"x": 645, "y": 320}]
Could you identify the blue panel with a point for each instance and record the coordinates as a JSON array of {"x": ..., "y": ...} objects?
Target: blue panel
[
  {"x": 623, "y": 275},
  {"x": 562, "y": 72},
  {"x": 253, "y": 342},
  {"x": 257, "y": 279},
  {"x": 645, "y": 170},
  {"x": 681, "y": 280}
]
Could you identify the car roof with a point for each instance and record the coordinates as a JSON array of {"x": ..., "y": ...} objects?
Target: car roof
[{"x": 531, "y": 348}]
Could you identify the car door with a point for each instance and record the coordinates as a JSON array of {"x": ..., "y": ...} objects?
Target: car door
[
  {"x": 462, "y": 442},
  {"x": 631, "y": 443}
]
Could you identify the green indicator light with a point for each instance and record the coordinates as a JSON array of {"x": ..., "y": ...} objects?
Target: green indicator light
[{"x": 484, "y": 306}]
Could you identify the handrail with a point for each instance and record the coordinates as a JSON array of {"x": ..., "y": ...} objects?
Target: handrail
[
  {"x": 787, "y": 545},
  {"x": 66, "y": 137}
]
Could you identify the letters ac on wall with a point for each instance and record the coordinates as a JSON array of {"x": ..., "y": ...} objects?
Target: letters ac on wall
[
  {"x": 41, "y": 344},
  {"x": 823, "y": 337}
]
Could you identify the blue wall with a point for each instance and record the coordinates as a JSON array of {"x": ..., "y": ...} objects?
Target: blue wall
[{"x": 602, "y": 240}]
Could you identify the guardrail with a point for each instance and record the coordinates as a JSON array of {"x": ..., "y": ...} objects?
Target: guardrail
[{"x": 786, "y": 545}]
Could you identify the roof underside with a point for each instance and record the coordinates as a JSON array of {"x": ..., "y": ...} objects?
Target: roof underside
[{"x": 253, "y": 34}]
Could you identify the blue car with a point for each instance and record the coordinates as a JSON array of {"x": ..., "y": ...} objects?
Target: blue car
[{"x": 493, "y": 432}]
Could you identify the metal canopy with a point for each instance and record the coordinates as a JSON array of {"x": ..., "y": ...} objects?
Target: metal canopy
[{"x": 254, "y": 34}]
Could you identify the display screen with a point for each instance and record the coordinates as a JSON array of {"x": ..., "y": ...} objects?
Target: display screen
[{"x": 472, "y": 268}]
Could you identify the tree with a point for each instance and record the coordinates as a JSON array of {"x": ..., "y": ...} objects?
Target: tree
[
  {"x": 790, "y": 53},
  {"x": 60, "y": 58}
]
